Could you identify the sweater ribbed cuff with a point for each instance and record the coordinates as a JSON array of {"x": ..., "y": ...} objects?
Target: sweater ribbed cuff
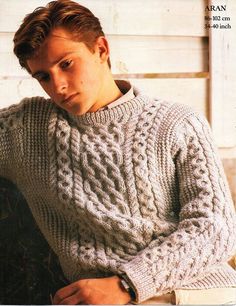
[{"x": 142, "y": 281}]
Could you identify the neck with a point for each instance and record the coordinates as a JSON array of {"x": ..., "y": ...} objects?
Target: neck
[{"x": 109, "y": 93}]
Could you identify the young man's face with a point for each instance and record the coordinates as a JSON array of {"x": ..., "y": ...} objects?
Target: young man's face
[{"x": 70, "y": 73}]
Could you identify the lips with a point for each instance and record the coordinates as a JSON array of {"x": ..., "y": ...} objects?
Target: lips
[{"x": 69, "y": 98}]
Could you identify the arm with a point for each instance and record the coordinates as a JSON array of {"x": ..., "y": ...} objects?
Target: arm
[
  {"x": 11, "y": 124},
  {"x": 206, "y": 231}
]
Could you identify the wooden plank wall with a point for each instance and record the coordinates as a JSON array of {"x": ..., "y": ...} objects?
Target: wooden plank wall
[{"x": 223, "y": 79}]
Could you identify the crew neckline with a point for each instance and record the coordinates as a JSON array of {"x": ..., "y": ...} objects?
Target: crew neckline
[{"x": 119, "y": 112}]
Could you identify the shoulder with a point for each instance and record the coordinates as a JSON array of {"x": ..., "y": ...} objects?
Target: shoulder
[
  {"x": 178, "y": 123},
  {"x": 12, "y": 116},
  {"x": 16, "y": 115},
  {"x": 178, "y": 116}
]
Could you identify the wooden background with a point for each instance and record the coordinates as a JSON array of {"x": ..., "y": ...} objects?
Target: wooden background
[{"x": 162, "y": 47}]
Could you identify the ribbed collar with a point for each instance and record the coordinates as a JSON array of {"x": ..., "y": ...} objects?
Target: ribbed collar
[{"x": 118, "y": 113}]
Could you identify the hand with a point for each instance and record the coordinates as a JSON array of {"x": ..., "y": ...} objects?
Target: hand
[{"x": 93, "y": 291}]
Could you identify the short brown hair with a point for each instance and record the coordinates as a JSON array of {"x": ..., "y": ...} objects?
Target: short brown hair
[{"x": 36, "y": 26}]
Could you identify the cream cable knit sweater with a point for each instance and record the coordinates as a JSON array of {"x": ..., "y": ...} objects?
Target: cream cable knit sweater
[{"x": 137, "y": 189}]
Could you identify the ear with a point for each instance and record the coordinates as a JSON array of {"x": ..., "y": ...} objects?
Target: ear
[{"x": 103, "y": 48}]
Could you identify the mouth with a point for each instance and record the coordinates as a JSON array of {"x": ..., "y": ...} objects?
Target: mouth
[{"x": 69, "y": 99}]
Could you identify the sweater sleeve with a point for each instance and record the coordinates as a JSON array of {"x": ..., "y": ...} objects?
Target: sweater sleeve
[
  {"x": 205, "y": 236},
  {"x": 11, "y": 125}
]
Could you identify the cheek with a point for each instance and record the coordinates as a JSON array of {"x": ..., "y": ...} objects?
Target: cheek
[
  {"x": 44, "y": 87},
  {"x": 89, "y": 75},
  {"x": 47, "y": 89}
]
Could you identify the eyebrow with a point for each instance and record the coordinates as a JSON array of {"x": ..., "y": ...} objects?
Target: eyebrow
[{"x": 36, "y": 73}]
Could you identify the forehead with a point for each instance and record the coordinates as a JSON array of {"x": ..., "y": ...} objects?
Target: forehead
[
  {"x": 59, "y": 40},
  {"x": 57, "y": 45}
]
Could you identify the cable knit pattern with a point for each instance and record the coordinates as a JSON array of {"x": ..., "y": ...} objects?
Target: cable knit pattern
[{"x": 136, "y": 189}]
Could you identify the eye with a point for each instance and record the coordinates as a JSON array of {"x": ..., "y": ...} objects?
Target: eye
[
  {"x": 66, "y": 64},
  {"x": 42, "y": 77}
]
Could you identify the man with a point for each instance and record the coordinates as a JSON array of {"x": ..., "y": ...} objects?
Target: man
[{"x": 128, "y": 191}]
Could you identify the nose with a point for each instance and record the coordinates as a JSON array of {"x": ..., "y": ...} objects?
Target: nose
[{"x": 59, "y": 84}]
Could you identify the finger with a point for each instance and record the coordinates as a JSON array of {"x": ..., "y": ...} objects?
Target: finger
[
  {"x": 63, "y": 293},
  {"x": 79, "y": 297},
  {"x": 72, "y": 300}
]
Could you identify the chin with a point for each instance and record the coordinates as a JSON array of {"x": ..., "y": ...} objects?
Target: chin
[
  {"x": 78, "y": 113},
  {"x": 77, "y": 110}
]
